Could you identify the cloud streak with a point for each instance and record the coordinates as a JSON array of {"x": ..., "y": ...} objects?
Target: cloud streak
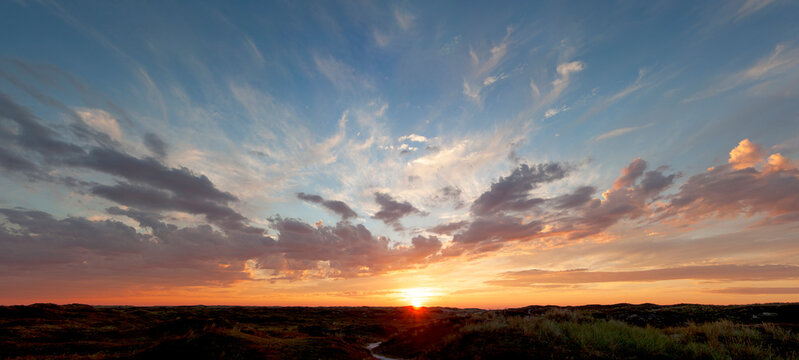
[{"x": 726, "y": 272}]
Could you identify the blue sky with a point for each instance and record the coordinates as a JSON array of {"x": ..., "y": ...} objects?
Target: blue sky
[{"x": 446, "y": 108}]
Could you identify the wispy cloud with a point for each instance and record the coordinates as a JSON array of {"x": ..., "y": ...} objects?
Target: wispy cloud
[
  {"x": 474, "y": 84},
  {"x": 782, "y": 60},
  {"x": 564, "y": 71},
  {"x": 404, "y": 19},
  {"x": 750, "y": 7},
  {"x": 340, "y": 74},
  {"x": 619, "y": 132}
]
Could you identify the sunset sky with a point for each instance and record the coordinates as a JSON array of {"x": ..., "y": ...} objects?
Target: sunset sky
[{"x": 387, "y": 153}]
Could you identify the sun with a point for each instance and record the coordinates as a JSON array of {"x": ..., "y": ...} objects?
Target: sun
[
  {"x": 417, "y": 297},
  {"x": 416, "y": 302}
]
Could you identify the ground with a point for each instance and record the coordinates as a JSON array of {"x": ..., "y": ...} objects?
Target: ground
[{"x": 622, "y": 331}]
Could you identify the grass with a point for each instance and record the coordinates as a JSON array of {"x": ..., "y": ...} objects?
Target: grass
[
  {"x": 566, "y": 334},
  {"x": 622, "y": 331}
]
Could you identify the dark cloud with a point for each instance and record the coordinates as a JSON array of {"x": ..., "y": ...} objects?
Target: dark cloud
[
  {"x": 391, "y": 211},
  {"x": 578, "y": 198},
  {"x": 511, "y": 193},
  {"x": 347, "y": 250},
  {"x": 570, "y": 216},
  {"x": 55, "y": 77},
  {"x": 151, "y": 185},
  {"x": 146, "y": 197},
  {"x": 77, "y": 248},
  {"x": 149, "y": 171},
  {"x": 36, "y": 238},
  {"x": 655, "y": 182},
  {"x": 156, "y": 146},
  {"x": 628, "y": 199},
  {"x": 148, "y": 183},
  {"x": 85, "y": 133},
  {"x": 30, "y": 133},
  {"x": 727, "y": 192},
  {"x": 74, "y": 247},
  {"x": 11, "y": 161},
  {"x": 448, "y": 194},
  {"x": 630, "y": 174},
  {"x": 491, "y": 233},
  {"x": 144, "y": 218},
  {"x": 338, "y": 207},
  {"x": 703, "y": 272},
  {"x": 448, "y": 228}
]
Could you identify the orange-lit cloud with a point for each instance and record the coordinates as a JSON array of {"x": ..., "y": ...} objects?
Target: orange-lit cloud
[{"x": 746, "y": 154}]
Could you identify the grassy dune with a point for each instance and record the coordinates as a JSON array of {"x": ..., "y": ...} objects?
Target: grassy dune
[{"x": 47, "y": 331}]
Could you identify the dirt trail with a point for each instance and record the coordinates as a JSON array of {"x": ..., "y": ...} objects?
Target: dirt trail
[{"x": 372, "y": 346}]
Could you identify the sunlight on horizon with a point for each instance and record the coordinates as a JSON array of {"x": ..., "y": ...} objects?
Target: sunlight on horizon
[{"x": 417, "y": 297}]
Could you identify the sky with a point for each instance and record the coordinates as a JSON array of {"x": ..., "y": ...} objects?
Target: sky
[{"x": 469, "y": 154}]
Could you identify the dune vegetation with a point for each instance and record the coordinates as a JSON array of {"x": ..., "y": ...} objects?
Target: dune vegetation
[{"x": 622, "y": 331}]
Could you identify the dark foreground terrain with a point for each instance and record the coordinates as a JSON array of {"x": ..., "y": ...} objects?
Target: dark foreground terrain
[{"x": 623, "y": 331}]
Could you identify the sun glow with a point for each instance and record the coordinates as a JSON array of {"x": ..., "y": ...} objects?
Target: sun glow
[{"x": 417, "y": 297}]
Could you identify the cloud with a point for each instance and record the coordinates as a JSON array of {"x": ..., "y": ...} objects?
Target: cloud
[
  {"x": 507, "y": 212},
  {"x": 740, "y": 188},
  {"x": 605, "y": 103},
  {"x": 730, "y": 272},
  {"x": 448, "y": 228},
  {"x": 340, "y": 74},
  {"x": 75, "y": 248},
  {"x": 180, "y": 181},
  {"x": 338, "y": 207},
  {"x": 146, "y": 197},
  {"x": 630, "y": 174},
  {"x": 343, "y": 250},
  {"x": 11, "y": 161},
  {"x": 746, "y": 154},
  {"x": 782, "y": 60},
  {"x": 404, "y": 19},
  {"x": 473, "y": 94},
  {"x": 259, "y": 58},
  {"x": 448, "y": 194},
  {"x": 757, "y": 290},
  {"x": 554, "y": 111},
  {"x": 566, "y": 69},
  {"x": 619, "y": 132},
  {"x": 156, "y": 146},
  {"x": 413, "y": 137},
  {"x": 474, "y": 84},
  {"x": 629, "y": 198},
  {"x": 30, "y": 133},
  {"x": 146, "y": 183},
  {"x": 391, "y": 211},
  {"x": 511, "y": 193},
  {"x": 750, "y": 7},
  {"x": 407, "y": 149},
  {"x": 102, "y": 121},
  {"x": 144, "y": 218},
  {"x": 490, "y": 233},
  {"x": 581, "y": 196},
  {"x": 151, "y": 185}
]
